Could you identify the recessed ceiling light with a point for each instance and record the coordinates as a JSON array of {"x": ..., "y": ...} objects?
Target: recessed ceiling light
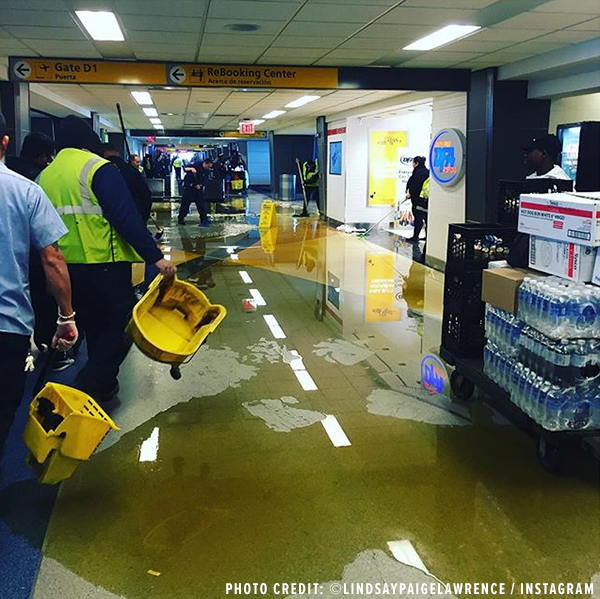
[
  {"x": 170, "y": 113},
  {"x": 302, "y": 101},
  {"x": 273, "y": 114},
  {"x": 243, "y": 27},
  {"x": 257, "y": 121},
  {"x": 443, "y": 36},
  {"x": 156, "y": 121},
  {"x": 142, "y": 98},
  {"x": 150, "y": 111},
  {"x": 158, "y": 126},
  {"x": 101, "y": 25}
]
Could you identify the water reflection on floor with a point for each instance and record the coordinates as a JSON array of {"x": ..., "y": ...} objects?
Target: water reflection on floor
[{"x": 243, "y": 480}]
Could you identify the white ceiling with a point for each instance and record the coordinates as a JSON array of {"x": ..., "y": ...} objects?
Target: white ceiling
[{"x": 299, "y": 32}]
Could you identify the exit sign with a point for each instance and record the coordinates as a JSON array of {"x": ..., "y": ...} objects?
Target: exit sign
[{"x": 247, "y": 128}]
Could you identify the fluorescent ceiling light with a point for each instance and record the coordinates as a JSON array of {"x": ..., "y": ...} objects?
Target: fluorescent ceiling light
[
  {"x": 302, "y": 101},
  {"x": 150, "y": 111},
  {"x": 101, "y": 25},
  {"x": 273, "y": 114},
  {"x": 142, "y": 98},
  {"x": 443, "y": 36},
  {"x": 257, "y": 121},
  {"x": 156, "y": 121},
  {"x": 159, "y": 126}
]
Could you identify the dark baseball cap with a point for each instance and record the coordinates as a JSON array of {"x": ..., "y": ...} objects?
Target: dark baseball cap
[{"x": 544, "y": 143}]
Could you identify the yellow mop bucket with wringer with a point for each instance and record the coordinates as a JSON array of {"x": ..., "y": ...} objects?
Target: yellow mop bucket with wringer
[
  {"x": 172, "y": 320},
  {"x": 65, "y": 427}
]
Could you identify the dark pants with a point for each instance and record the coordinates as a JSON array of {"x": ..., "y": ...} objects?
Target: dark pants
[
  {"x": 13, "y": 351},
  {"x": 103, "y": 298},
  {"x": 312, "y": 194},
  {"x": 189, "y": 198},
  {"x": 420, "y": 219}
]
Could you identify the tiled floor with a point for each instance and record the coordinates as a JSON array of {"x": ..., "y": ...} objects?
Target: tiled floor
[{"x": 246, "y": 484}]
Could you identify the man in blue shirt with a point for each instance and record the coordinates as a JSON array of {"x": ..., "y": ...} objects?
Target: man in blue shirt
[{"x": 29, "y": 220}]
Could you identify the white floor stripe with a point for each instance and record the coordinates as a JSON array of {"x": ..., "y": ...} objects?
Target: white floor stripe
[
  {"x": 245, "y": 277},
  {"x": 276, "y": 330},
  {"x": 256, "y": 294},
  {"x": 335, "y": 431}
]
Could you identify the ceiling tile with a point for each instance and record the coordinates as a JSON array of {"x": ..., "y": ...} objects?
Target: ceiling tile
[
  {"x": 352, "y": 54},
  {"x": 339, "y": 12},
  {"x": 570, "y": 36},
  {"x": 158, "y": 55},
  {"x": 68, "y": 48},
  {"x": 536, "y": 46},
  {"x": 185, "y": 8},
  {"x": 293, "y": 53},
  {"x": 506, "y": 34},
  {"x": 240, "y": 11},
  {"x": 475, "y": 45},
  {"x": 567, "y": 6},
  {"x": 427, "y": 16},
  {"x": 341, "y": 62},
  {"x": 234, "y": 40},
  {"x": 141, "y": 36},
  {"x": 35, "y": 4},
  {"x": 591, "y": 25},
  {"x": 266, "y": 27},
  {"x": 151, "y": 23},
  {"x": 473, "y": 4},
  {"x": 240, "y": 57},
  {"x": 47, "y": 33},
  {"x": 395, "y": 31},
  {"x": 355, "y": 2},
  {"x": 374, "y": 43},
  {"x": 299, "y": 41},
  {"x": 545, "y": 20},
  {"x": 321, "y": 29},
  {"x": 48, "y": 18}
]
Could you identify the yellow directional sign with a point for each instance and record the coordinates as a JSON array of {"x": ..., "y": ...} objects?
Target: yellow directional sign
[
  {"x": 55, "y": 70},
  {"x": 219, "y": 75},
  {"x": 268, "y": 215}
]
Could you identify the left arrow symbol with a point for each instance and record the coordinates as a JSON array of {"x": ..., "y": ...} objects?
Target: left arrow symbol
[
  {"x": 23, "y": 70},
  {"x": 178, "y": 74}
]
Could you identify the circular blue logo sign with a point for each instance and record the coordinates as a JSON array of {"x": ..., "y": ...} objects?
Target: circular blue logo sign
[
  {"x": 434, "y": 376},
  {"x": 447, "y": 157}
]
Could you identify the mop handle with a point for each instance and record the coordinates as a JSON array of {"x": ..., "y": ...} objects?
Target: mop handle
[
  {"x": 305, "y": 199},
  {"x": 123, "y": 130}
]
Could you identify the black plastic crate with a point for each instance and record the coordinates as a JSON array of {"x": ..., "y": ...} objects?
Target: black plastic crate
[
  {"x": 463, "y": 335},
  {"x": 509, "y": 192},
  {"x": 472, "y": 246},
  {"x": 462, "y": 292}
]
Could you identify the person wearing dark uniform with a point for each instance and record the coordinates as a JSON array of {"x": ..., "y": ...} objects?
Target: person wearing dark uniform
[
  {"x": 310, "y": 174},
  {"x": 105, "y": 236},
  {"x": 193, "y": 192},
  {"x": 414, "y": 187}
]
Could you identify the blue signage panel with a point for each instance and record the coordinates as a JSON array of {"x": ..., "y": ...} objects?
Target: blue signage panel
[
  {"x": 434, "y": 376},
  {"x": 447, "y": 157}
]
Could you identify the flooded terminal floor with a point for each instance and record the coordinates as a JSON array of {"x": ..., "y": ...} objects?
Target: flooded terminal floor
[{"x": 300, "y": 446}]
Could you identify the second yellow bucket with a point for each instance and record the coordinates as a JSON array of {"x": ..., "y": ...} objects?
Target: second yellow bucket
[{"x": 172, "y": 320}]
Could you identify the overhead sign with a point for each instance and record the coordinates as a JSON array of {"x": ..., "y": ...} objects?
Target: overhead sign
[
  {"x": 255, "y": 135},
  {"x": 447, "y": 157},
  {"x": 384, "y": 153},
  {"x": 219, "y": 75},
  {"x": 55, "y": 70},
  {"x": 247, "y": 128}
]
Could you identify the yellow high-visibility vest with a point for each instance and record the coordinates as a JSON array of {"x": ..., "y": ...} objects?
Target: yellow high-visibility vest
[{"x": 91, "y": 238}]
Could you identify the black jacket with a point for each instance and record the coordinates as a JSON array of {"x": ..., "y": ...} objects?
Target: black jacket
[
  {"x": 24, "y": 166},
  {"x": 415, "y": 183},
  {"x": 142, "y": 196}
]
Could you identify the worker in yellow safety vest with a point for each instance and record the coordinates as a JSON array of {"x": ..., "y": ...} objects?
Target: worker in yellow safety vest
[
  {"x": 310, "y": 175},
  {"x": 106, "y": 235}
]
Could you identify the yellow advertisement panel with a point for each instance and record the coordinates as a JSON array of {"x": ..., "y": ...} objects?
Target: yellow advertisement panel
[
  {"x": 219, "y": 75},
  {"x": 384, "y": 161},
  {"x": 53, "y": 70},
  {"x": 380, "y": 300}
]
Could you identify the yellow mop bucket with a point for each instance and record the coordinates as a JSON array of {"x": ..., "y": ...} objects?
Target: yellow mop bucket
[
  {"x": 65, "y": 427},
  {"x": 172, "y": 320}
]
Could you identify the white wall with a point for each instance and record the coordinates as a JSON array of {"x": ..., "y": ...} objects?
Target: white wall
[
  {"x": 573, "y": 110},
  {"x": 336, "y": 184},
  {"x": 446, "y": 205},
  {"x": 356, "y": 162}
]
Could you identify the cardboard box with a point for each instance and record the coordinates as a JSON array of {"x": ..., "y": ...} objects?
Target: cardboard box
[
  {"x": 501, "y": 287},
  {"x": 567, "y": 260},
  {"x": 596, "y": 275},
  {"x": 561, "y": 216}
]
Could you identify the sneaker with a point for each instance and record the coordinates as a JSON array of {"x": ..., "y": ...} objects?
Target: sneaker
[{"x": 104, "y": 398}]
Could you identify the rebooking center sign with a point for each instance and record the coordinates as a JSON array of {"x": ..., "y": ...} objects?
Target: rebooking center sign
[{"x": 447, "y": 157}]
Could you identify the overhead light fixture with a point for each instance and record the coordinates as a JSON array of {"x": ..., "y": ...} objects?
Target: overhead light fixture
[
  {"x": 101, "y": 25},
  {"x": 257, "y": 121},
  {"x": 273, "y": 114},
  {"x": 142, "y": 98},
  {"x": 302, "y": 101},
  {"x": 443, "y": 36},
  {"x": 243, "y": 27},
  {"x": 156, "y": 121},
  {"x": 159, "y": 126},
  {"x": 150, "y": 111}
]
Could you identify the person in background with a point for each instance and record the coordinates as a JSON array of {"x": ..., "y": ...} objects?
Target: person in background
[
  {"x": 177, "y": 166},
  {"x": 193, "y": 192},
  {"x": 105, "y": 236},
  {"x": 541, "y": 156},
  {"x": 414, "y": 187},
  {"x": 162, "y": 170},
  {"x": 134, "y": 161},
  {"x": 36, "y": 154},
  {"x": 310, "y": 174},
  {"x": 135, "y": 182},
  {"x": 31, "y": 222},
  {"x": 148, "y": 166}
]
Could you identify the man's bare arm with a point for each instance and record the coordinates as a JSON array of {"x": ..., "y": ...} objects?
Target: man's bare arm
[{"x": 57, "y": 277}]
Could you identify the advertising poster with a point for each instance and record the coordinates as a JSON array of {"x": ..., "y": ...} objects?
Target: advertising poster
[
  {"x": 385, "y": 149},
  {"x": 381, "y": 303}
]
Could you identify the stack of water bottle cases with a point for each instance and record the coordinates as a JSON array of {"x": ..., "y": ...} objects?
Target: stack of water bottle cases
[{"x": 547, "y": 356}]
